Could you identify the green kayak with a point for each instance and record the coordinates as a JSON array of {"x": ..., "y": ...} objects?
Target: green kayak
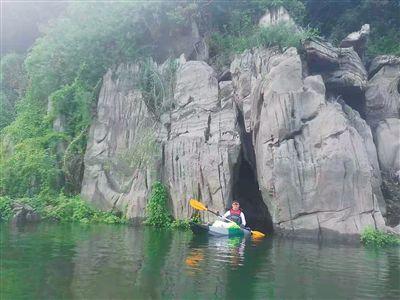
[{"x": 219, "y": 231}]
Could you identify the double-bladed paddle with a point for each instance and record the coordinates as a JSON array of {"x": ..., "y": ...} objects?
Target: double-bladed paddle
[{"x": 200, "y": 206}]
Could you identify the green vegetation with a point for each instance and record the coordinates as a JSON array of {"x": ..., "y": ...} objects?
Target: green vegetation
[
  {"x": 5, "y": 208},
  {"x": 234, "y": 28},
  {"x": 156, "y": 85},
  {"x": 378, "y": 238},
  {"x": 281, "y": 35},
  {"x": 336, "y": 19},
  {"x": 13, "y": 83},
  {"x": 60, "y": 209},
  {"x": 156, "y": 210},
  {"x": 157, "y": 213}
]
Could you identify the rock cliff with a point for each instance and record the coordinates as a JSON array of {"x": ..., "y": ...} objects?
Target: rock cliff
[
  {"x": 111, "y": 181},
  {"x": 285, "y": 135}
]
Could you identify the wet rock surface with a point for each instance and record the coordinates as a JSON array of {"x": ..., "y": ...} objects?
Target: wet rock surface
[{"x": 23, "y": 213}]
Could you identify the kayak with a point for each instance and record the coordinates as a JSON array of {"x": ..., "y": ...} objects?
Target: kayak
[{"x": 218, "y": 230}]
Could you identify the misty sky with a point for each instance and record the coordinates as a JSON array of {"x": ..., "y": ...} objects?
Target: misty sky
[{"x": 21, "y": 22}]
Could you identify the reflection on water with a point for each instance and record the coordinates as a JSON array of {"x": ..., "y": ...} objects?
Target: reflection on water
[{"x": 103, "y": 262}]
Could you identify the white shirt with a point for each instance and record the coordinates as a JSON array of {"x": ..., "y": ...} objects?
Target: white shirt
[{"x": 228, "y": 213}]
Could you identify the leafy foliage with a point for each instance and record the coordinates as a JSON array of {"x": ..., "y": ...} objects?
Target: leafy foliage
[
  {"x": 156, "y": 210},
  {"x": 61, "y": 209},
  {"x": 13, "y": 83},
  {"x": 373, "y": 237},
  {"x": 336, "y": 19},
  {"x": 74, "y": 209},
  {"x": 283, "y": 35},
  {"x": 180, "y": 224},
  {"x": 5, "y": 208},
  {"x": 27, "y": 169},
  {"x": 156, "y": 85}
]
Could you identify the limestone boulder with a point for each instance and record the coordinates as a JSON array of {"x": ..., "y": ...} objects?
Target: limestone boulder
[
  {"x": 24, "y": 213},
  {"x": 112, "y": 179},
  {"x": 343, "y": 72},
  {"x": 357, "y": 40},
  {"x": 382, "y": 94},
  {"x": 203, "y": 143},
  {"x": 380, "y": 61},
  {"x": 365, "y": 132},
  {"x": 387, "y": 136},
  {"x": 275, "y": 16},
  {"x": 313, "y": 166}
]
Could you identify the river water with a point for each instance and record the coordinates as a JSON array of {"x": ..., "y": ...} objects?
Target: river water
[{"x": 50, "y": 261}]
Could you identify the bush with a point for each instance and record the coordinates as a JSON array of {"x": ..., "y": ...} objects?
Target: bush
[
  {"x": 156, "y": 209},
  {"x": 27, "y": 169},
  {"x": 13, "y": 83},
  {"x": 378, "y": 238},
  {"x": 156, "y": 84},
  {"x": 74, "y": 209},
  {"x": 181, "y": 224},
  {"x": 5, "y": 208},
  {"x": 283, "y": 35},
  {"x": 61, "y": 209}
]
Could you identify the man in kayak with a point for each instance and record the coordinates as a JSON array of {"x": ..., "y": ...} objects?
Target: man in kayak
[{"x": 235, "y": 214}]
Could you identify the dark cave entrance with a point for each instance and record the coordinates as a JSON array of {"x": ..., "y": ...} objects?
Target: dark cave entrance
[
  {"x": 354, "y": 99},
  {"x": 247, "y": 192}
]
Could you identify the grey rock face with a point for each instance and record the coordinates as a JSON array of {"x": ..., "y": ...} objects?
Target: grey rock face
[
  {"x": 383, "y": 115},
  {"x": 387, "y": 137},
  {"x": 314, "y": 159},
  {"x": 383, "y": 112},
  {"x": 275, "y": 16},
  {"x": 200, "y": 143},
  {"x": 378, "y": 62},
  {"x": 316, "y": 174},
  {"x": 357, "y": 40},
  {"x": 383, "y": 90},
  {"x": 24, "y": 213},
  {"x": 110, "y": 182},
  {"x": 204, "y": 141},
  {"x": 365, "y": 132},
  {"x": 341, "y": 68}
]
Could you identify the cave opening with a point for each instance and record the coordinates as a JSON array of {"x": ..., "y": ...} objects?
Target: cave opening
[
  {"x": 352, "y": 97},
  {"x": 355, "y": 99},
  {"x": 246, "y": 191}
]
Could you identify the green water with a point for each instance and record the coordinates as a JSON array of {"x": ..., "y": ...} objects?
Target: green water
[{"x": 50, "y": 261}]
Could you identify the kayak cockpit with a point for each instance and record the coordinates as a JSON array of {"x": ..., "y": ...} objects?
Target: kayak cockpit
[{"x": 219, "y": 228}]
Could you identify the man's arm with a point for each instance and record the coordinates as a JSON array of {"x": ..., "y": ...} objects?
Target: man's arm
[
  {"x": 243, "y": 219},
  {"x": 227, "y": 214}
]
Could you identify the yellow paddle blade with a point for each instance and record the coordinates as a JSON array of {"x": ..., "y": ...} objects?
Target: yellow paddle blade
[
  {"x": 257, "y": 234},
  {"x": 197, "y": 205}
]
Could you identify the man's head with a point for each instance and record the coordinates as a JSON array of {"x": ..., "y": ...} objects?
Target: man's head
[{"x": 235, "y": 204}]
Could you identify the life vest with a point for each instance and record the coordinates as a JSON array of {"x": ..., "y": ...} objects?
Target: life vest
[{"x": 234, "y": 215}]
